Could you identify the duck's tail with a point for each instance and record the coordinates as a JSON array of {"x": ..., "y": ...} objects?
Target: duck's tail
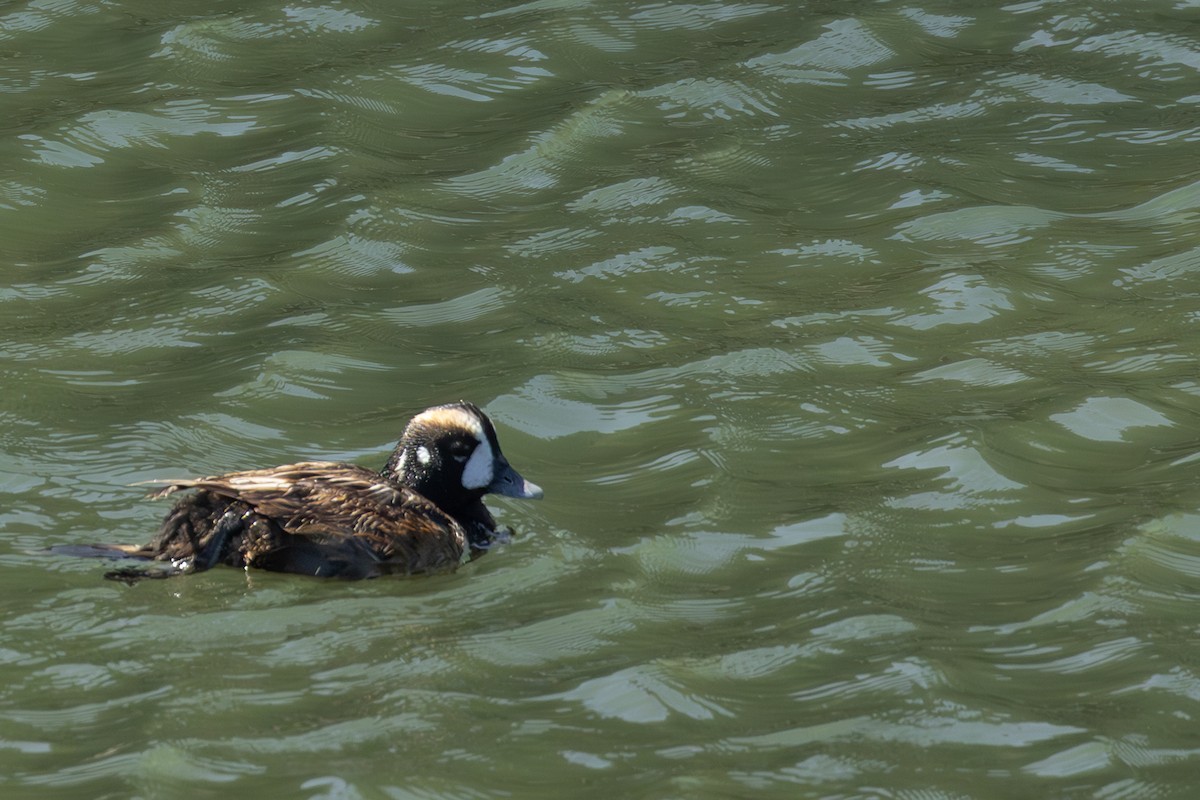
[
  {"x": 100, "y": 551},
  {"x": 228, "y": 524},
  {"x": 128, "y": 575}
]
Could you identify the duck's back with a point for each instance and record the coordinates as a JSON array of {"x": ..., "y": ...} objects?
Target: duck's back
[{"x": 313, "y": 518}]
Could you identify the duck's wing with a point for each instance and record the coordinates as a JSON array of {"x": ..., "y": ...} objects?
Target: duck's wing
[
  {"x": 343, "y": 506},
  {"x": 272, "y": 481}
]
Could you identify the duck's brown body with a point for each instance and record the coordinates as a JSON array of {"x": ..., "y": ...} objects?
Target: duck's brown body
[
  {"x": 313, "y": 518},
  {"x": 424, "y": 512}
]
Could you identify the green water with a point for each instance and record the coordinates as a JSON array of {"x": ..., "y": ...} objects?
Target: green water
[{"x": 853, "y": 343}]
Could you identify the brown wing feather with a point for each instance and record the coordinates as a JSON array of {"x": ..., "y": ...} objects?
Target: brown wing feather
[{"x": 332, "y": 503}]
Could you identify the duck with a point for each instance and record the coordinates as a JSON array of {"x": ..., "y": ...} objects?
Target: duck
[{"x": 422, "y": 513}]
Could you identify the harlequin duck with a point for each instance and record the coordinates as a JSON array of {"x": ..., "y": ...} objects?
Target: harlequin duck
[{"x": 423, "y": 512}]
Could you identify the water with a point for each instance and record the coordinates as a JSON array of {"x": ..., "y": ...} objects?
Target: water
[{"x": 854, "y": 345}]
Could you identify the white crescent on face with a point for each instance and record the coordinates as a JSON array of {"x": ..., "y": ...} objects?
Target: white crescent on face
[{"x": 478, "y": 471}]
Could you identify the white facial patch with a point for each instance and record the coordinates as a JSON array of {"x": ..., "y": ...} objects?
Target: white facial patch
[
  {"x": 423, "y": 454},
  {"x": 478, "y": 471}
]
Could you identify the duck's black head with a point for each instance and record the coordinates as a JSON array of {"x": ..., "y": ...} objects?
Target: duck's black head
[{"x": 450, "y": 455}]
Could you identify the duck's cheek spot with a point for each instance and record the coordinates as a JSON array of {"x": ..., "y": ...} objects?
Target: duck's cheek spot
[{"x": 423, "y": 454}]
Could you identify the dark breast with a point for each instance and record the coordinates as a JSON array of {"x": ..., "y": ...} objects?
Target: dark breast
[{"x": 314, "y": 518}]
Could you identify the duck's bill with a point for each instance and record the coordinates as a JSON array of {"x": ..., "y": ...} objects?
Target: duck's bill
[{"x": 510, "y": 484}]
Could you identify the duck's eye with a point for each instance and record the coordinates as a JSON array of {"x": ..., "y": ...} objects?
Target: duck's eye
[{"x": 460, "y": 451}]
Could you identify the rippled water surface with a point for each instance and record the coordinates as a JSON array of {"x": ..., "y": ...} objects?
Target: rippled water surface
[{"x": 855, "y": 345}]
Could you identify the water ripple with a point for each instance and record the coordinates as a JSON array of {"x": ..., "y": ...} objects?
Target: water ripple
[{"x": 853, "y": 346}]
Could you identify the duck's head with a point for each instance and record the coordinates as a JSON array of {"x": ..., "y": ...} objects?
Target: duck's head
[{"x": 451, "y": 456}]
